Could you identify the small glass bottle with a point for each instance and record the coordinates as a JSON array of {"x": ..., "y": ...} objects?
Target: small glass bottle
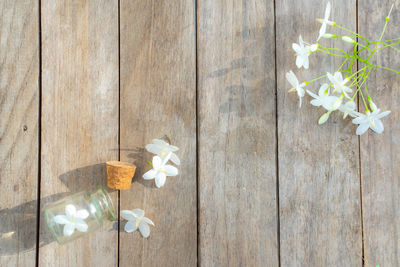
[{"x": 79, "y": 214}]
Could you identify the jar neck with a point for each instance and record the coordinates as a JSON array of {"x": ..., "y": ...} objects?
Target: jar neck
[{"x": 103, "y": 203}]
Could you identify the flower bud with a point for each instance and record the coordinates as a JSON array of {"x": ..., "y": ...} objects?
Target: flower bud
[
  {"x": 324, "y": 118},
  {"x": 349, "y": 40},
  {"x": 372, "y": 105},
  {"x": 328, "y": 35}
]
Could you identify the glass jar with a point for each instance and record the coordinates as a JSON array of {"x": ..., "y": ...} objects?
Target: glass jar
[{"x": 79, "y": 214}]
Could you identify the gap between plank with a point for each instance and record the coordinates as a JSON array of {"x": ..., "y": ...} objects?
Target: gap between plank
[
  {"x": 277, "y": 146},
  {"x": 197, "y": 134},
  {"x": 39, "y": 132},
  {"x": 359, "y": 162},
  {"x": 119, "y": 122}
]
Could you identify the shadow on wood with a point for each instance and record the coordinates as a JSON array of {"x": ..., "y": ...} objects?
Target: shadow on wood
[
  {"x": 18, "y": 227},
  {"x": 77, "y": 180}
]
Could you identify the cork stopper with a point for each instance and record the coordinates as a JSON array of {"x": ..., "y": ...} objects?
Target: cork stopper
[{"x": 119, "y": 174}]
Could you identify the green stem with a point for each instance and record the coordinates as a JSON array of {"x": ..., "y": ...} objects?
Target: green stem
[
  {"x": 386, "y": 68},
  {"x": 359, "y": 35}
]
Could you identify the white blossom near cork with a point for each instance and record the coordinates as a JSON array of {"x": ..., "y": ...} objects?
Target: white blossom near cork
[
  {"x": 136, "y": 220},
  {"x": 72, "y": 220},
  {"x": 162, "y": 149},
  {"x": 348, "y": 80},
  {"x": 160, "y": 170}
]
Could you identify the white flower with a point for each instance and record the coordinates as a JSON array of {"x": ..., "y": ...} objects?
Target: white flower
[
  {"x": 349, "y": 108},
  {"x": 162, "y": 148},
  {"x": 296, "y": 86},
  {"x": 136, "y": 220},
  {"x": 339, "y": 84},
  {"x": 160, "y": 171},
  {"x": 302, "y": 53},
  {"x": 323, "y": 98},
  {"x": 370, "y": 120},
  {"x": 72, "y": 220},
  {"x": 325, "y": 21}
]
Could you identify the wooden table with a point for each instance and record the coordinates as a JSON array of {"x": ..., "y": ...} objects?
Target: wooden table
[{"x": 260, "y": 184}]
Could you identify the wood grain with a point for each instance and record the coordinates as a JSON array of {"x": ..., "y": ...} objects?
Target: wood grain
[
  {"x": 79, "y": 117},
  {"x": 158, "y": 97},
  {"x": 380, "y": 154},
  {"x": 19, "y": 120},
  {"x": 319, "y": 189},
  {"x": 237, "y": 142}
]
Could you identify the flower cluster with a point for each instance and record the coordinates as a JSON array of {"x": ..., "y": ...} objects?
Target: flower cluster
[
  {"x": 163, "y": 153},
  {"x": 337, "y": 94}
]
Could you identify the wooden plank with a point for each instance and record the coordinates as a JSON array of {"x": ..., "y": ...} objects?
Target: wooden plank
[
  {"x": 79, "y": 117},
  {"x": 237, "y": 142},
  {"x": 319, "y": 189},
  {"x": 158, "y": 97},
  {"x": 19, "y": 107},
  {"x": 380, "y": 154}
]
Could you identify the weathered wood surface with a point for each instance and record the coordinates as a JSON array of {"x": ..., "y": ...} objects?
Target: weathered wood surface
[
  {"x": 19, "y": 120},
  {"x": 223, "y": 212},
  {"x": 319, "y": 189},
  {"x": 237, "y": 143},
  {"x": 79, "y": 117},
  {"x": 380, "y": 154},
  {"x": 158, "y": 97}
]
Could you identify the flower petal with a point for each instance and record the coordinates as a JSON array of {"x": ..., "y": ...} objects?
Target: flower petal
[
  {"x": 362, "y": 128},
  {"x": 322, "y": 89},
  {"x": 305, "y": 62},
  {"x": 160, "y": 142},
  {"x": 150, "y": 174},
  {"x": 316, "y": 102},
  {"x": 296, "y": 47},
  {"x": 173, "y": 148},
  {"x": 157, "y": 162},
  {"x": 82, "y": 214},
  {"x": 378, "y": 126},
  {"x": 152, "y": 148},
  {"x": 327, "y": 11},
  {"x": 383, "y": 114},
  {"x": 292, "y": 79},
  {"x": 330, "y": 77},
  {"x": 70, "y": 210},
  {"x": 130, "y": 227},
  {"x": 144, "y": 229},
  {"x": 338, "y": 76},
  {"x": 301, "y": 41},
  {"x": 61, "y": 219},
  {"x": 138, "y": 213},
  {"x": 312, "y": 94},
  {"x": 128, "y": 215},
  {"x": 147, "y": 220},
  {"x": 69, "y": 229},
  {"x": 360, "y": 119},
  {"x": 322, "y": 30},
  {"x": 299, "y": 61},
  {"x": 171, "y": 170},
  {"x": 174, "y": 158},
  {"x": 81, "y": 225},
  {"x": 160, "y": 179}
]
